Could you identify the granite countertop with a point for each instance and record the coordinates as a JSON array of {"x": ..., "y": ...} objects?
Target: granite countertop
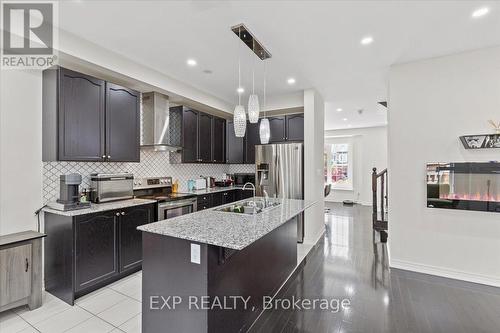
[
  {"x": 95, "y": 208},
  {"x": 213, "y": 190},
  {"x": 231, "y": 230}
]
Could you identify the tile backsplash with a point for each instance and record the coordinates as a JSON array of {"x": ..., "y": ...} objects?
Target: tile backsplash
[{"x": 153, "y": 164}]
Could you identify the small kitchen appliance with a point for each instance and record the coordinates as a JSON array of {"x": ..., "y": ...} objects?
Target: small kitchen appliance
[
  {"x": 168, "y": 204},
  {"x": 111, "y": 186},
  {"x": 69, "y": 194}
]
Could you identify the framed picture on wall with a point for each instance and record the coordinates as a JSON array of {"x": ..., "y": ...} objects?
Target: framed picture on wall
[{"x": 481, "y": 141}]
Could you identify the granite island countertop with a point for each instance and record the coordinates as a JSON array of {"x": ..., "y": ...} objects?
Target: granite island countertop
[
  {"x": 95, "y": 208},
  {"x": 231, "y": 230}
]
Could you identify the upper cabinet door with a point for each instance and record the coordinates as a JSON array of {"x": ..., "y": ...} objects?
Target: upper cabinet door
[
  {"x": 81, "y": 128},
  {"x": 219, "y": 134},
  {"x": 277, "y": 127},
  {"x": 252, "y": 138},
  {"x": 122, "y": 124},
  {"x": 234, "y": 145},
  {"x": 295, "y": 127},
  {"x": 189, "y": 136},
  {"x": 205, "y": 137}
]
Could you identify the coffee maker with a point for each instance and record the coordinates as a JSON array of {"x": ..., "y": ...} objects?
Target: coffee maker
[{"x": 69, "y": 193}]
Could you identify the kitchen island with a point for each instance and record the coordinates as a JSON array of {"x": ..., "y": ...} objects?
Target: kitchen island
[{"x": 209, "y": 271}]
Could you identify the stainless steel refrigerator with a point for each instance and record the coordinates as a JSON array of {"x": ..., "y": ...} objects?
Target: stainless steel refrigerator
[{"x": 280, "y": 174}]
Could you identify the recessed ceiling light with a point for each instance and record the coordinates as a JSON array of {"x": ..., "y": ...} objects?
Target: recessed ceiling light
[
  {"x": 339, "y": 110},
  {"x": 291, "y": 80},
  {"x": 240, "y": 90},
  {"x": 480, "y": 12},
  {"x": 344, "y": 119},
  {"x": 367, "y": 40},
  {"x": 207, "y": 71},
  {"x": 191, "y": 62}
]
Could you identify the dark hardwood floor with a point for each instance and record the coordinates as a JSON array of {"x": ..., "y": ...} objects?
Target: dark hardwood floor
[{"x": 349, "y": 263}]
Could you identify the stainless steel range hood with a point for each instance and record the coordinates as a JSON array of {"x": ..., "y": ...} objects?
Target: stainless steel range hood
[{"x": 159, "y": 128}]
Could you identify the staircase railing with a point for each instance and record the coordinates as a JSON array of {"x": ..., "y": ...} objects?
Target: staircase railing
[{"x": 380, "y": 199}]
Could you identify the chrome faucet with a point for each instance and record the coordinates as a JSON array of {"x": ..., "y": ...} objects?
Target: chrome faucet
[
  {"x": 253, "y": 187},
  {"x": 266, "y": 198}
]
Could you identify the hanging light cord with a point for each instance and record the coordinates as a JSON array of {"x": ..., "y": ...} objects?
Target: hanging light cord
[
  {"x": 265, "y": 78},
  {"x": 239, "y": 67}
]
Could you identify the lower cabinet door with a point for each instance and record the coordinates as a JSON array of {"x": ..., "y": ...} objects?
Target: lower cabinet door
[
  {"x": 96, "y": 248},
  {"x": 130, "y": 239},
  {"x": 15, "y": 274},
  {"x": 217, "y": 199},
  {"x": 228, "y": 197}
]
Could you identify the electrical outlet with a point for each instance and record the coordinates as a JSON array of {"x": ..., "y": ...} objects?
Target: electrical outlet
[{"x": 195, "y": 253}]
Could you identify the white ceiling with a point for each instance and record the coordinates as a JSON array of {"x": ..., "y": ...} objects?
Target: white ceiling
[{"x": 316, "y": 42}]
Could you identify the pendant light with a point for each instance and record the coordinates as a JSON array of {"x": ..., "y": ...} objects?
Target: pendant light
[
  {"x": 239, "y": 115},
  {"x": 264, "y": 129},
  {"x": 253, "y": 100}
]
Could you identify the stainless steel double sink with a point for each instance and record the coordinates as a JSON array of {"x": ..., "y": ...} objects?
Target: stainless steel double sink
[{"x": 249, "y": 207}]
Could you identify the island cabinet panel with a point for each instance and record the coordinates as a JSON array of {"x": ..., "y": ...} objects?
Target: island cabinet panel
[
  {"x": 122, "y": 124},
  {"x": 277, "y": 126},
  {"x": 130, "y": 239},
  {"x": 295, "y": 127},
  {"x": 256, "y": 271},
  {"x": 234, "y": 145},
  {"x": 228, "y": 196},
  {"x": 218, "y": 140},
  {"x": 189, "y": 136},
  {"x": 95, "y": 256},
  {"x": 205, "y": 137},
  {"x": 88, "y": 119}
]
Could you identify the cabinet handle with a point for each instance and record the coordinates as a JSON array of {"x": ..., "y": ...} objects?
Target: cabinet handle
[
  {"x": 109, "y": 156},
  {"x": 103, "y": 156},
  {"x": 123, "y": 213},
  {"x": 118, "y": 214},
  {"x": 27, "y": 265}
]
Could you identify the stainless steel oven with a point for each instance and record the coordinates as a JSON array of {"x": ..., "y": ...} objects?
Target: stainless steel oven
[{"x": 170, "y": 209}]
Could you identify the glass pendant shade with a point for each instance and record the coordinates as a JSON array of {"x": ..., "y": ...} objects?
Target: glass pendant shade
[
  {"x": 253, "y": 108},
  {"x": 240, "y": 121},
  {"x": 264, "y": 131}
]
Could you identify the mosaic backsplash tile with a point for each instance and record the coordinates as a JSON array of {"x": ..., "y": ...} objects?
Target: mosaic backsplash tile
[{"x": 153, "y": 164}]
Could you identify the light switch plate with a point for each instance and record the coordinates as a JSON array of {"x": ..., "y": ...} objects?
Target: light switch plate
[{"x": 195, "y": 253}]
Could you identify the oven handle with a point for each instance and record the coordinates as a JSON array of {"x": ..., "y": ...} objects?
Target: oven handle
[{"x": 177, "y": 203}]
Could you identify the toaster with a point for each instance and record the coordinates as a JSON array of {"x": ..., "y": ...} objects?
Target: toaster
[{"x": 200, "y": 183}]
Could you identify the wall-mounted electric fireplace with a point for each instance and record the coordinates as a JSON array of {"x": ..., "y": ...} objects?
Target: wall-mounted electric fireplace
[{"x": 468, "y": 186}]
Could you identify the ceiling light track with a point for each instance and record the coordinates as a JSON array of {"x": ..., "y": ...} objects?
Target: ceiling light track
[{"x": 250, "y": 41}]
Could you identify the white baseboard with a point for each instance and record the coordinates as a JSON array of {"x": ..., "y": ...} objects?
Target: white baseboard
[{"x": 445, "y": 272}]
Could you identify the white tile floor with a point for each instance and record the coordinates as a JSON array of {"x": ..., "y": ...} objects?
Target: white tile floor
[{"x": 114, "y": 308}]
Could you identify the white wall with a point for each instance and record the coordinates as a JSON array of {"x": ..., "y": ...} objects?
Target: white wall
[
  {"x": 432, "y": 103},
  {"x": 314, "y": 125},
  {"x": 369, "y": 148},
  {"x": 21, "y": 149}
]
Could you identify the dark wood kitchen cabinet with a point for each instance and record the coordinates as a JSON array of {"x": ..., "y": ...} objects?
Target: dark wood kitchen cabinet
[
  {"x": 130, "y": 239},
  {"x": 295, "y": 127},
  {"x": 88, "y": 119},
  {"x": 122, "y": 124},
  {"x": 277, "y": 127},
  {"x": 95, "y": 249},
  {"x": 204, "y": 137},
  {"x": 218, "y": 139},
  {"x": 189, "y": 136},
  {"x": 234, "y": 145},
  {"x": 252, "y": 138},
  {"x": 86, "y": 252}
]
